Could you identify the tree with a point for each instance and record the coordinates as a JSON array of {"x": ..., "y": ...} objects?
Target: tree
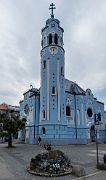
[{"x": 12, "y": 124}]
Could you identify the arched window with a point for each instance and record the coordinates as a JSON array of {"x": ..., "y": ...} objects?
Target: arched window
[
  {"x": 26, "y": 109},
  {"x": 56, "y": 39},
  {"x": 67, "y": 110},
  {"x": 50, "y": 38}
]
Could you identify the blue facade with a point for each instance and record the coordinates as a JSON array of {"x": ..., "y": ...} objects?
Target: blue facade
[
  {"x": 60, "y": 112},
  {"x": 30, "y": 109}
]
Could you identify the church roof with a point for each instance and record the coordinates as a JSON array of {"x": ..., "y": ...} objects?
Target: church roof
[
  {"x": 100, "y": 102},
  {"x": 33, "y": 91},
  {"x": 73, "y": 88},
  {"x": 51, "y": 20}
]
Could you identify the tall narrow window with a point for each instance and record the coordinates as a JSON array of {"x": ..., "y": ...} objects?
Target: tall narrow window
[
  {"x": 54, "y": 90},
  {"x": 56, "y": 39},
  {"x": 44, "y": 64},
  {"x": 67, "y": 110},
  {"x": 43, "y": 113},
  {"x": 43, "y": 131},
  {"x": 50, "y": 38},
  {"x": 62, "y": 71}
]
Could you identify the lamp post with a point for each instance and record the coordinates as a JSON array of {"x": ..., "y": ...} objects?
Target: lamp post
[
  {"x": 75, "y": 113},
  {"x": 96, "y": 122},
  {"x": 73, "y": 89}
]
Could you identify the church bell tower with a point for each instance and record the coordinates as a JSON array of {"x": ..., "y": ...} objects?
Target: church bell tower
[{"x": 52, "y": 125}]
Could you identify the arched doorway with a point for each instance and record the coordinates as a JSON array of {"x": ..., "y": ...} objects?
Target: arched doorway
[{"x": 92, "y": 133}]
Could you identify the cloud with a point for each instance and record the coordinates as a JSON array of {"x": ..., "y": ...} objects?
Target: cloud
[
  {"x": 20, "y": 44},
  {"x": 86, "y": 44}
]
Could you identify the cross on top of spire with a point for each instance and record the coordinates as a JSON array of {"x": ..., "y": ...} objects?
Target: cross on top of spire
[{"x": 52, "y": 7}]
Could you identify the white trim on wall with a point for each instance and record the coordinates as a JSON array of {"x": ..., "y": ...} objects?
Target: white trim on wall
[
  {"x": 48, "y": 89},
  {"x": 58, "y": 86}
]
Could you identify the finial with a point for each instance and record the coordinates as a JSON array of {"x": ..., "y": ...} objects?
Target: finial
[
  {"x": 52, "y": 7},
  {"x": 31, "y": 86}
]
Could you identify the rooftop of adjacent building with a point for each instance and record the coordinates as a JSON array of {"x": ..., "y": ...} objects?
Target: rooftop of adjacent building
[{"x": 5, "y": 106}]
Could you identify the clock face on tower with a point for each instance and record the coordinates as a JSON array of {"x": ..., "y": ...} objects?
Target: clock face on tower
[{"x": 53, "y": 50}]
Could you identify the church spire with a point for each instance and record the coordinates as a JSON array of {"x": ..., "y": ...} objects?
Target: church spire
[{"x": 52, "y": 8}]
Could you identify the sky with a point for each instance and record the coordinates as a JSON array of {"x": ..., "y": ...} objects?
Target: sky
[{"x": 84, "y": 24}]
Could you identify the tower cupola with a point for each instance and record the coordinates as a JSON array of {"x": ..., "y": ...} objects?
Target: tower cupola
[{"x": 52, "y": 33}]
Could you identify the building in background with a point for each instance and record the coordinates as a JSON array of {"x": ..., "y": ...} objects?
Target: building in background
[
  {"x": 4, "y": 107},
  {"x": 60, "y": 111}
]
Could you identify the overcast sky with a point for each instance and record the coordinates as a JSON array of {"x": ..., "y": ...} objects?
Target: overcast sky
[{"x": 84, "y": 24}]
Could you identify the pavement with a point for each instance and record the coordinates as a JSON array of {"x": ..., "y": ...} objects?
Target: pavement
[{"x": 14, "y": 161}]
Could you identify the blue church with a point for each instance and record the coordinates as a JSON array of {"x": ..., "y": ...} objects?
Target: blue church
[{"x": 60, "y": 111}]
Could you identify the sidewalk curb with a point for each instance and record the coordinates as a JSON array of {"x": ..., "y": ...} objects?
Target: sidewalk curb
[{"x": 93, "y": 174}]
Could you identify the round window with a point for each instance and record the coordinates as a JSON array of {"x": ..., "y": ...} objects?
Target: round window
[
  {"x": 26, "y": 109},
  {"x": 89, "y": 112}
]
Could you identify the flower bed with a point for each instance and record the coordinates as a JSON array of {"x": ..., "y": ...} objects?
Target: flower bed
[{"x": 50, "y": 163}]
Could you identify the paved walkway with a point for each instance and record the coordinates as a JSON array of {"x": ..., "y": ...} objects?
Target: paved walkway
[
  {"x": 5, "y": 170},
  {"x": 13, "y": 162}
]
